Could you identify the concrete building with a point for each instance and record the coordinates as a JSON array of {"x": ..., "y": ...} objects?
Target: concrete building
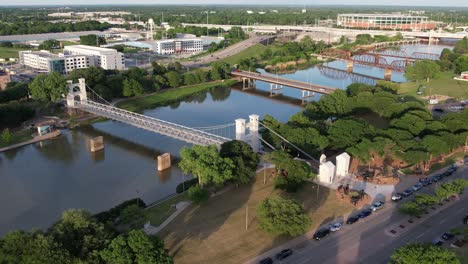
[
  {"x": 175, "y": 46},
  {"x": 108, "y": 59},
  {"x": 326, "y": 172},
  {"x": 342, "y": 164},
  {"x": 50, "y": 62},
  {"x": 385, "y": 21},
  {"x": 4, "y": 79}
]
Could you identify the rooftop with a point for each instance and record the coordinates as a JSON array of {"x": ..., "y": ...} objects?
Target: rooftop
[
  {"x": 90, "y": 48},
  {"x": 380, "y": 15}
]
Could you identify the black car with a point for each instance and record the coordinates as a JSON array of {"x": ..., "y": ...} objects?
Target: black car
[
  {"x": 352, "y": 219},
  {"x": 465, "y": 220},
  {"x": 436, "y": 178},
  {"x": 426, "y": 181},
  {"x": 321, "y": 233},
  {"x": 284, "y": 254},
  {"x": 447, "y": 236},
  {"x": 440, "y": 110},
  {"x": 266, "y": 261},
  {"x": 407, "y": 192},
  {"x": 365, "y": 213}
]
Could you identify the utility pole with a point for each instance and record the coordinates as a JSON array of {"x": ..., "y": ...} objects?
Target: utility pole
[
  {"x": 246, "y": 217},
  {"x": 264, "y": 173}
]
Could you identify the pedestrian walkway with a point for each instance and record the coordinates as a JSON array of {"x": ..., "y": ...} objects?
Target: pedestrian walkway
[
  {"x": 152, "y": 230},
  {"x": 50, "y": 135}
]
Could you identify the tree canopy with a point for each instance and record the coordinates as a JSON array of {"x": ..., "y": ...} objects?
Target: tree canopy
[
  {"x": 279, "y": 216},
  {"x": 48, "y": 88},
  {"x": 423, "y": 254},
  {"x": 244, "y": 159},
  {"x": 422, "y": 70}
]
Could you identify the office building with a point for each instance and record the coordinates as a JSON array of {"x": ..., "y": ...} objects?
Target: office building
[
  {"x": 50, "y": 62},
  {"x": 385, "y": 21},
  {"x": 108, "y": 59},
  {"x": 175, "y": 46}
]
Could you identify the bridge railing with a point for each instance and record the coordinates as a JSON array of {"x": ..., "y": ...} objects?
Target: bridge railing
[{"x": 146, "y": 120}]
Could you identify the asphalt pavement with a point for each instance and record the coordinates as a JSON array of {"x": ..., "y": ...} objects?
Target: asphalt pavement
[{"x": 368, "y": 240}]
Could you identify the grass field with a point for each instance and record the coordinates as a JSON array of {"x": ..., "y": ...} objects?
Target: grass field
[
  {"x": 159, "y": 213},
  {"x": 9, "y": 52},
  {"x": 168, "y": 96},
  {"x": 215, "y": 231},
  {"x": 18, "y": 137},
  {"x": 253, "y": 51},
  {"x": 445, "y": 85}
]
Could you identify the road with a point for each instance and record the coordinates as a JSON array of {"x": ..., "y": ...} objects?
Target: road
[
  {"x": 227, "y": 52},
  {"x": 368, "y": 240}
]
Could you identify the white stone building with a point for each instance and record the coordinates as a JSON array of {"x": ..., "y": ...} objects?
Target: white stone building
[
  {"x": 108, "y": 59},
  {"x": 342, "y": 164},
  {"x": 50, "y": 62}
]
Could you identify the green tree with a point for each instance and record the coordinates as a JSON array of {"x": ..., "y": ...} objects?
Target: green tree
[
  {"x": 279, "y": 216},
  {"x": 206, "y": 164},
  {"x": 461, "y": 64},
  {"x": 158, "y": 69},
  {"x": 244, "y": 159},
  {"x": 198, "y": 195},
  {"x": 344, "y": 133},
  {"x": 132, "y": 87},
  {"x": 334, "y": 104},
  {"x": 136, "y": 247},
  {"x": 422, "y": 70},
  {"x": 131, "y": 213},
  {"x": 93, "y": 75},
  {"x": 412, "y": 123},
  {"x": 173, "y": 79},
  {"x": 81, "y": 235},
  {"x": 7, "y": 137},
  {"x": 92, "y": 40},
  {"x": 22, "y": 247},
  {"x": 461, "y": 46},
  {"x": 411, "y": 208},
  {"x": 49, "y": 44},
  {"x": 190, "y": 79},
  {"x": 425, "y": 199},
  {"x": 159, "y": 82},
  {"x": 48, "y": 88},
  {"x": 423, "y": 254},
  {"x": 291, "y": 173},
  {"x": 220, "y": 70}
]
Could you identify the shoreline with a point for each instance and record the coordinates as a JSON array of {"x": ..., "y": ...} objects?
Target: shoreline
[{"x": 50, "y": 135}]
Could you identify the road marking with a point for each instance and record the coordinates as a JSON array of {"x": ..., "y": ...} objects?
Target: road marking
[{"x": 420, "y": 235}]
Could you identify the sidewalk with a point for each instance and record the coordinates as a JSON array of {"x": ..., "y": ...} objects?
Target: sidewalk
[{"x": 152, "y": 230}]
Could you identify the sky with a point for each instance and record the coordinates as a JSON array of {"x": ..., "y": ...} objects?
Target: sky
[{"x": 462, "y": 3}]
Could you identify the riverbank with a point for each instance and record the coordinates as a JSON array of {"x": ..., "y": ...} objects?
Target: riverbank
[
  {"x": 53, "y": 134},
  {"x": 445, "y": 85},
  {"x": 169, "y": 96}
]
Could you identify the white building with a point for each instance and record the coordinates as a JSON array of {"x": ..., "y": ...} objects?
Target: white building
[
  {"x": 385, "y": 21},
  {"x": 342, "y": 164},
  {"x": 108, "y": 59},
  {"x": 175, "y": 46},
  {"x": 49, "y": 62},
  {"x": 326, "y": 172}
]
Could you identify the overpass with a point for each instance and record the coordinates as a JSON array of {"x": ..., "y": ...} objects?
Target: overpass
[{"x": 276, "y": 84}]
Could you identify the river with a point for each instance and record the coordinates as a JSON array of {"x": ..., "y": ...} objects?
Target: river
[{"x": 38, "y": 182}]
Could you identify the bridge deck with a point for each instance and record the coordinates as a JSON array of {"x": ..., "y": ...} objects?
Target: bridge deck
[
  {"x": 286, "y": 82},
  {"x": 183, "y": 133}
]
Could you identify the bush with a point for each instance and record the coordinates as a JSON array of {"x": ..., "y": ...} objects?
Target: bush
[
  {"x": 182, "y": 187},
  {"x": 113, "y": 213},
  {"x": 198, "y": 195},
  {"x": 14, "y": 91},
  {"x": 14, "y": 114},
  {"x": 131, "y": 212}
]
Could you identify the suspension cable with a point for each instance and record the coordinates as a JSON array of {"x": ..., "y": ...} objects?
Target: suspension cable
[{"x": 287, "y": 141}]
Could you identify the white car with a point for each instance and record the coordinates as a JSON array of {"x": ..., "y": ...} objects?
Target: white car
[
  {"x": 377, "y": 206},
  {"x": 396, "y": 197},
  {"x": 335, "y": 227}
]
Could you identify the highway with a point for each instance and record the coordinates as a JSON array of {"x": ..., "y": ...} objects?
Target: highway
[
  {"x": 368, "y": 240},
  {"x": 227, "y": 52}
]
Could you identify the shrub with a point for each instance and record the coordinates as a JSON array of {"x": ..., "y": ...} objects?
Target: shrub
[
  {"x": 198, "y": 195},
  {"x": 131, "y": 212},
  {"x": 113, "y": 213}
]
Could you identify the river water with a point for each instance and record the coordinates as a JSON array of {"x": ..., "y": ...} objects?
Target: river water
[{"x": 38, "y": 182}]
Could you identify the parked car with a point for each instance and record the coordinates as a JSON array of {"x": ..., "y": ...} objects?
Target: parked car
[
  {"x": 436, "y": 178},
  {"x": 284, "y": 254},
  {"x": 417, "y": 186},
  {"x": 407, "y": 192},
  {"x": 376, "y": 206},
  {"x": 321, "y": 233},
  {"x": 465, "y": 220},
  {"x": 426, "y": 181},
  {"x": 266, "y": 261},
  {"x": 440, "y": 110},
  {"x": 365, "y": 213},
  {"x": 335, "y": 227},
  {"x": 352, "y": 219},
  {"x": 437, "y": 242},
  {"x": 447, "y": 236},
  {"x": 396, "y": 197}
]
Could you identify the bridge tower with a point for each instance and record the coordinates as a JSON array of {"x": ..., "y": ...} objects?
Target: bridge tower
[
  {"x": 387, "y": 74},
  {"x": 73, "y": 95},
  {"x": 252, "y": 138},
  {"x": 349, "y": 66}
]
